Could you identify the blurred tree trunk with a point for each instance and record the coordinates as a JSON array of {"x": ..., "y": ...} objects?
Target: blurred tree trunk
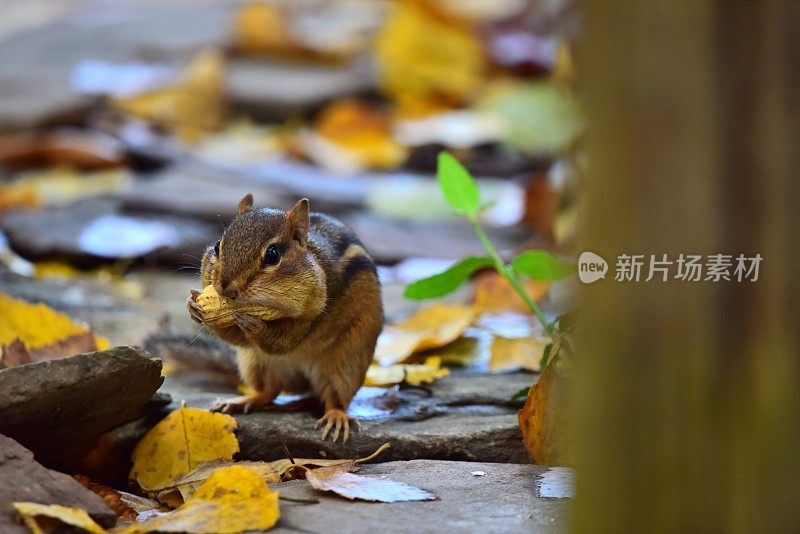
[{"x": 687, "y": 407}]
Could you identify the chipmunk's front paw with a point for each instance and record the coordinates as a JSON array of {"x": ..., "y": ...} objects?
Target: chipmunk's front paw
[
  {"x": 251, "y": 326},
  {"x": 195, "y": 311},
  {"x": 243, "y": 404},
  {"x": 339, "y": 421}
]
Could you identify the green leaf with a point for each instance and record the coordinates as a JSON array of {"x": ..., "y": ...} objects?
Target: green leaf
[
  {"x": 521, "y": 394},
  {"x": 541, "y": 265},
  {"x": 457, "y": 185},
  {"x": 545, "y": 356},
  {"x": 446, "y": 282}
]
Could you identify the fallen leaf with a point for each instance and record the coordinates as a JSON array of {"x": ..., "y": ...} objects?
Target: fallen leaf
[
  {"x": 422, "y": 54},
  {"x": 34, "y": 332},
  {"x": 364, "y": 488},
  {"x": 233, "y": 499},
  {"x": 542, "y": 417},
  {"x": 431, "y": 327},
  {"x": 494, "y": 294},
  {"x": 512, "y": 354},
  {"x": 111, "y": 497},
  {"x": 193, "y": 106},
  {"x": 59, "y": 186},
  {"x": 412, "y": 374},
  {"x": 363, "y": 131},
  {"x": 260, "y": 28},
  {"x": 185, "y": 439},
  {"x": 75, "y": 517},
  {"x": 270, "y": 472}
]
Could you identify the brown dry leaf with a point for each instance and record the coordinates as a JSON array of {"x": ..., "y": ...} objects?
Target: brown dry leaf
[
  {"x": 35, "y": 332},
  {"x": 542, "y": 417},
  {"x": 422, "y": 54},
  {"x": 494, "y": 294},
  {"x": 192, "y": 107},
  {"x": 412, "y": 374},
  {"x": 341, "y": 482},
  {"x": 75, "y": 517},
  {"x": 514, "y": 353},
  {"x": 111, "y": 497},
  {"x": 431, "y": 327},
  {"x": 179, "y": 443},
  {"x": 233, "y": 499},
  {"x": 270, "y": 472}
]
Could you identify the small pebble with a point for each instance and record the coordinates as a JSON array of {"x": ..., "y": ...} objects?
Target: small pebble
[{"x": 478, "y": 473}]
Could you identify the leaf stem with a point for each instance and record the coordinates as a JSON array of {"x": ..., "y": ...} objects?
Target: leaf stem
[{"x": 507, "y": 272}]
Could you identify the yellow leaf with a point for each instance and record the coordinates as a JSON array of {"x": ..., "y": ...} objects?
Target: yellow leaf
[
  {"x": 422, "y": 54},
  {"x": 338, "y": 480},
  {"x": 193, "y": 106},
  {"x": 233, "y": 499},
  {"x": 494, "y": 294},
  {"x": 61, "y": 185},
  {"x": 429, "y": 328},
  {"x": 511, "y": 354},
  {"x": 270, "y": 472},
  {"x": 35, "y": 332},
  {"x": 259, "y": 28},
  {"x": 182, "y": 441},
  {"x": 70, "y": 516},
  {"x": 413, "y": 374},
  {"x": 362, "y": 131}
]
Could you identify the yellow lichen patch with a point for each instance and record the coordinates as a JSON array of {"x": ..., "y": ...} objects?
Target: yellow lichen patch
[
  {"x": 182, "y": 441},
  {"x": 413, "y": 374},
  {"x": 36, "y": 325},
  {"x": 75, "y": 517},
  {"x": 233, "y": 499},
  {"x": 429, "y": 328}
]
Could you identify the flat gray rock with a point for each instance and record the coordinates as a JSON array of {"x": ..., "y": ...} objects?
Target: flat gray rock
[
  {"x": 466, "y": 416},
  {"x": 504, "y": 499},
  {"x": 25, "y": 480},
  {"x": 74, "y": 232},
  {"x": 54, "y": 406}
]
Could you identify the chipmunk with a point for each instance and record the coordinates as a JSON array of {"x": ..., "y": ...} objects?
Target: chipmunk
[{"x": 313, "y": 273}]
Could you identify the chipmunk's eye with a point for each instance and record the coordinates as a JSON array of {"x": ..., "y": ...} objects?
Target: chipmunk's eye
[
  {"x": 216, "y": 249},
  {"x": 272, "y": 256}
]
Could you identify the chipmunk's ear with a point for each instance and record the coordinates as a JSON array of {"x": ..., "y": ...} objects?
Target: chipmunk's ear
[
  {"x": 297, "y": 218},
  {"x": 246, "y": 203}
]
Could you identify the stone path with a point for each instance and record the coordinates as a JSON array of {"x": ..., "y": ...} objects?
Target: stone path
[{"x": 505, "y": 499}]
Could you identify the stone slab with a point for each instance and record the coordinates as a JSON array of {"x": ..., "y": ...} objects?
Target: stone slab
[
  {"x": 25, "y": 480},
  {"x": 466, "y": 416},
  {"x": 505, "y": 499},
  {"x": 54, "y": 406}
]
